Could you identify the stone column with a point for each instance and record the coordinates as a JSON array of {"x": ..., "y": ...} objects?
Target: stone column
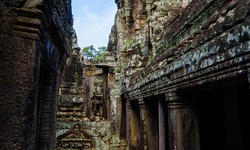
[
  {"x": 116, "y": 115},
  {"x": 149, "y": 124},
  {"x": 143, "y": 137},
  {"x": 183, "y": 124},
  {"x": 19, "y": 65},
  {"x": 161, "y": 117},
  {"x": 106, "y": 95},
  {"x": 89, "y": 85},
  {"x": 133, "y": 126},
  {"x": 127, "y": 121}
]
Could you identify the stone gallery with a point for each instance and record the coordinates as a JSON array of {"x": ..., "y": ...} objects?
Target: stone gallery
[{"x": 175, "y": 76}]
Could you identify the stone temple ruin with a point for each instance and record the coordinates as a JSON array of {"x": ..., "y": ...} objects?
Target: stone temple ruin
[{"x": 175, "y": 76}]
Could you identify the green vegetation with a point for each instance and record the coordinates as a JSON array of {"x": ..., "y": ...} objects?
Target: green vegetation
[
  {"x": 123, "y": 66},
  {"x": 151, "y": 59},
  {"x": 90, "y": 52},
  {"x": 128, "y": 45}
]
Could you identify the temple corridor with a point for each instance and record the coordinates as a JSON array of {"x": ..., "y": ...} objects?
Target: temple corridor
[{"x": 175, "y": 76}]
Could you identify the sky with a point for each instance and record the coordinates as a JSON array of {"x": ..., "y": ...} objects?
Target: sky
[{"x": 93, "y": 20}]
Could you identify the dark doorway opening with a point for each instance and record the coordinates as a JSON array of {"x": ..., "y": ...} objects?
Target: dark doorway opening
[
  {"x": 43, "y": 75},
  {"x": 123, "y": 118},
  {"x": 223, "y": 120},
  {"x": 152, "y": 122},
  {"x": 134, "y": 125}
]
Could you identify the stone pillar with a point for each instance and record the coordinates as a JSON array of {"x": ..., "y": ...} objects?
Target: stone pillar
[
  {"x": 17, "y": 93},
  {"x": 143, "y": 112},
  {"x": 106, "y": 95},
  {"x": 28, "y": 40},
  {"x": 161, "y": 117},
  {"x": 19, "y": 65},
  {"x": 183, "y": 124},
  {"x": 116, "y": 118},
  {"x": 127, "y": 121},
  {"x": 149, "y": 124},
  {"x": 133, "y": 126},
  {"x": 115, "y": 113},
  {"x": 89, "y": 85}
]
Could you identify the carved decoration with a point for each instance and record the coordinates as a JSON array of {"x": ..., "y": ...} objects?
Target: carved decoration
[
  {"x": 76, "y": 138},
  {"x": 7, "y": 20}
]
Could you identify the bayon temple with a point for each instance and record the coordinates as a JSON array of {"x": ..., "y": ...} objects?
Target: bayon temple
[{"x": 175, "y": 76}]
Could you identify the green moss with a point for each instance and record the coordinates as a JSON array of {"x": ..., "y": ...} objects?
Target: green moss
[
  {"x": 123, "y": 66},
  {"x": 128, "y": 45}
]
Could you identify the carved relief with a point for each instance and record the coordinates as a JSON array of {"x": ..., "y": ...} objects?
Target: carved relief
[
  {"x": 76, "y": 138},
  {"x": 83, "y": 135},
  {"x": 15, "y": 101},
  {"x": 64, "y": 19},
  {"x": 8, "y": 20}
]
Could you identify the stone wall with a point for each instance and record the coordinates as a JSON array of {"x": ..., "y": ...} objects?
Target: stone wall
[
  {"x": 88, "y": 108},
  {"x": 170, "y": 54},
  {"x": 202, "y": 39},
  {"x": 34, "y": 43}
]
